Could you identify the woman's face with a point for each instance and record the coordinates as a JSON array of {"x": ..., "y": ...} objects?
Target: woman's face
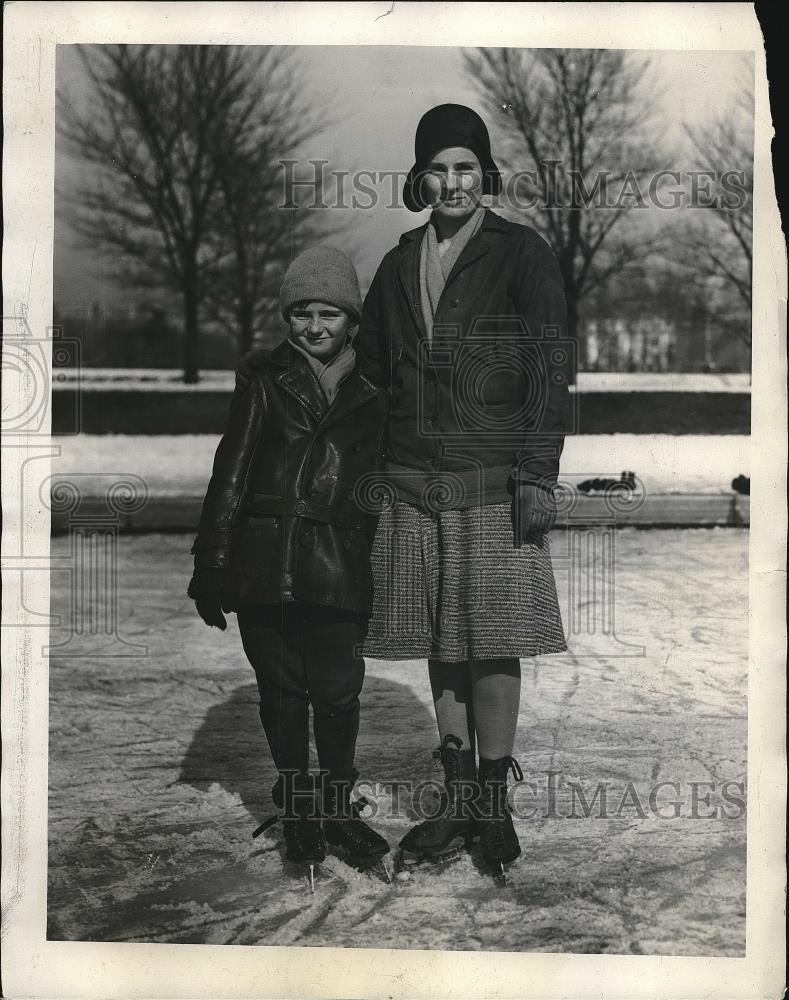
[
  {"x": 453, "y": 182},
  {"x": 319, "y": 328}
]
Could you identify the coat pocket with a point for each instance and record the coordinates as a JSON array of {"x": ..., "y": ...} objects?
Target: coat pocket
[{"x": 258, "y": 544}]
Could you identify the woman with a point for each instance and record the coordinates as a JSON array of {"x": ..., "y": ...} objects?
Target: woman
[{"x": 464, "y": 323}]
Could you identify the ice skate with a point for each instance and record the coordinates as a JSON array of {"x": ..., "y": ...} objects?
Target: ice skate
[
  {"x": 305, "y": 843},
  {"x": 498, "y": 839},
  {"x": 344, "y": 829},
  {"x": 445, "y": 838}
]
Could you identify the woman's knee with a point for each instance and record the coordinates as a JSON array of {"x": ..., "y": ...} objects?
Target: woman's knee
[{"x": 501, "y": 667}]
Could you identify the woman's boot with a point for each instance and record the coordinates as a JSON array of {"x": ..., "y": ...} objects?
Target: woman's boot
[
  {"x": 455, "y": 826},
  {"x": 497, "y": 836}
]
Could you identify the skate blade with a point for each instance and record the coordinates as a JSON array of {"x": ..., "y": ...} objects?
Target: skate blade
[
  {"x": 408, "y": 861},
  {"x": 311, "y": 870},
  {"x": 500, "y": 872},
  {"x": 373, "y": 866}
]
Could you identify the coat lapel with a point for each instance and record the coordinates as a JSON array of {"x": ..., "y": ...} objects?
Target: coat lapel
[
  {"x": 355, "y": 390},
  {"x": 408, "y": 274},
  {"x": 408, "y": 265},
  {"x": 478, "y": 246},
  {"x": 298, "y": 381}
]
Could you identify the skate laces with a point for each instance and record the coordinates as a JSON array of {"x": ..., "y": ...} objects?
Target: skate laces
[
  {"x": 456, "y": 742},
  {"x": 265, "y": 825},
  {"x": 493, "y": 779},
  {"x": 447, "y": 753},
  {"x": 514, "y": 768}
]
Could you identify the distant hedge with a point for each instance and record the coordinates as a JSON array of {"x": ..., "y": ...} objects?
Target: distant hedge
[{"x": 110, "y": 411}]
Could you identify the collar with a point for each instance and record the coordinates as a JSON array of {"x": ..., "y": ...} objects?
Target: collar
[{"x": 490, "y": 222}]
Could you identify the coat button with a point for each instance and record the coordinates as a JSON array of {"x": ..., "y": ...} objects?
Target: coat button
[
  {"x": 346, "y": 544},
  {"x": 300, "y": 507},
  {"x": 455, "y": 303},
  {"x": 357, "y": 447}
]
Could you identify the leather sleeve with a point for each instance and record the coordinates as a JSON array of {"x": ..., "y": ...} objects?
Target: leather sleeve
[
  {"x": 539, "y": 296},
  {"x": 247, "y": 366},
  {"x": 223, "y": 507}
]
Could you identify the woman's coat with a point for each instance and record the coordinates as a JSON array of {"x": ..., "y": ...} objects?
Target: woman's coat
[{"x": 486, "y": 399}]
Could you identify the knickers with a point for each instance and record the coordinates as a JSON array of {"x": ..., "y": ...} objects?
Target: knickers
[{"x": 306, "y": 654}]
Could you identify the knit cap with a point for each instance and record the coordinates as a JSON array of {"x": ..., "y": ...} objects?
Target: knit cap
[{"x": 322, "y": 274}]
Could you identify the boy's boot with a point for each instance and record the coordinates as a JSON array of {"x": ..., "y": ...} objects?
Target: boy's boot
[
  {"x": 301, "y": 820},
  {"x": 497, "y": 836},
  {"x": 345, "y": 829},
  {"x": 455, "y": 826},
  {"x": 335, "y": 739}
]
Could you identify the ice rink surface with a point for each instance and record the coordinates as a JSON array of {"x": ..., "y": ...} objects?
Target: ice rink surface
[{"x": 159, "y": 773}]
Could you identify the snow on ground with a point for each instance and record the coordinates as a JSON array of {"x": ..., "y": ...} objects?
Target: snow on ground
[
  {"x": 181, "y": 464},
  {"x": 159, "y": 772}
]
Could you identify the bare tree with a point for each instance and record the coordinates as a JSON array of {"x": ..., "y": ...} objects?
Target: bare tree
[
  {"x": 715, "y": 241},
  {"x": 171, "y": 135},
  {"x": 571, "y": 124},
  {"x": 263, "y": 222}
]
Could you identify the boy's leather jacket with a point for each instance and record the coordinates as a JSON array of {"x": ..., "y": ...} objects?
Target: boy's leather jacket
[{"x": 286, "y": 515}]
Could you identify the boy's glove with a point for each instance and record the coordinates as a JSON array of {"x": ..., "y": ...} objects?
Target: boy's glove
[
  {"x": 210, "y": 610},
  {"x": 533, "y": 512},
  {"x": 207, "y": 588}
]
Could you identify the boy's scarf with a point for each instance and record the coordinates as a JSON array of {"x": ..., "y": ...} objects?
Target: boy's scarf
[
  {"x": 434, "y": 268},
  {"x": 330, "y": 375}
]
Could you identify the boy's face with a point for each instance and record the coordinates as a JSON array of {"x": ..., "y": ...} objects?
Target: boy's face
[{"x": 320, "y": 328}]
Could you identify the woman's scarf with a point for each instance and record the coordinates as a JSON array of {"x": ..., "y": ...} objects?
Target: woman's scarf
[{"x": 437, "y": 260}]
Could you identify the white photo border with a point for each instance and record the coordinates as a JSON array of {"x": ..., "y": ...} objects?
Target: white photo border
[{"x": 35, "y": 967}]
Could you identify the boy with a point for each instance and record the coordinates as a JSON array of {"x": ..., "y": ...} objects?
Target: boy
[{"x": 283, "y": 543}]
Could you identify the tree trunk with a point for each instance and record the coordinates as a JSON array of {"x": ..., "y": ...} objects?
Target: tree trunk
[
  {"x": 245, "y": 328},
  {"x": 572, "y": 332},
  {"x": 191, "y": 336}
]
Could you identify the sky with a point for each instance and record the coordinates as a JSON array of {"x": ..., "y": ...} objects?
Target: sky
[{"x": 376, "y": 96}]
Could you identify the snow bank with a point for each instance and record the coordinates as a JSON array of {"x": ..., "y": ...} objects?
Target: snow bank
[{"x": 181, "y": 464}]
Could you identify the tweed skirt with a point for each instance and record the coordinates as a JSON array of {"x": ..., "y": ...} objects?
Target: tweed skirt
[{"x": 452, "y": 586}]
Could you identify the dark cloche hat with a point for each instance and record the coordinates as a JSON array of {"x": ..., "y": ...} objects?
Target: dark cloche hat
[{"x": 442, "y": 127}]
